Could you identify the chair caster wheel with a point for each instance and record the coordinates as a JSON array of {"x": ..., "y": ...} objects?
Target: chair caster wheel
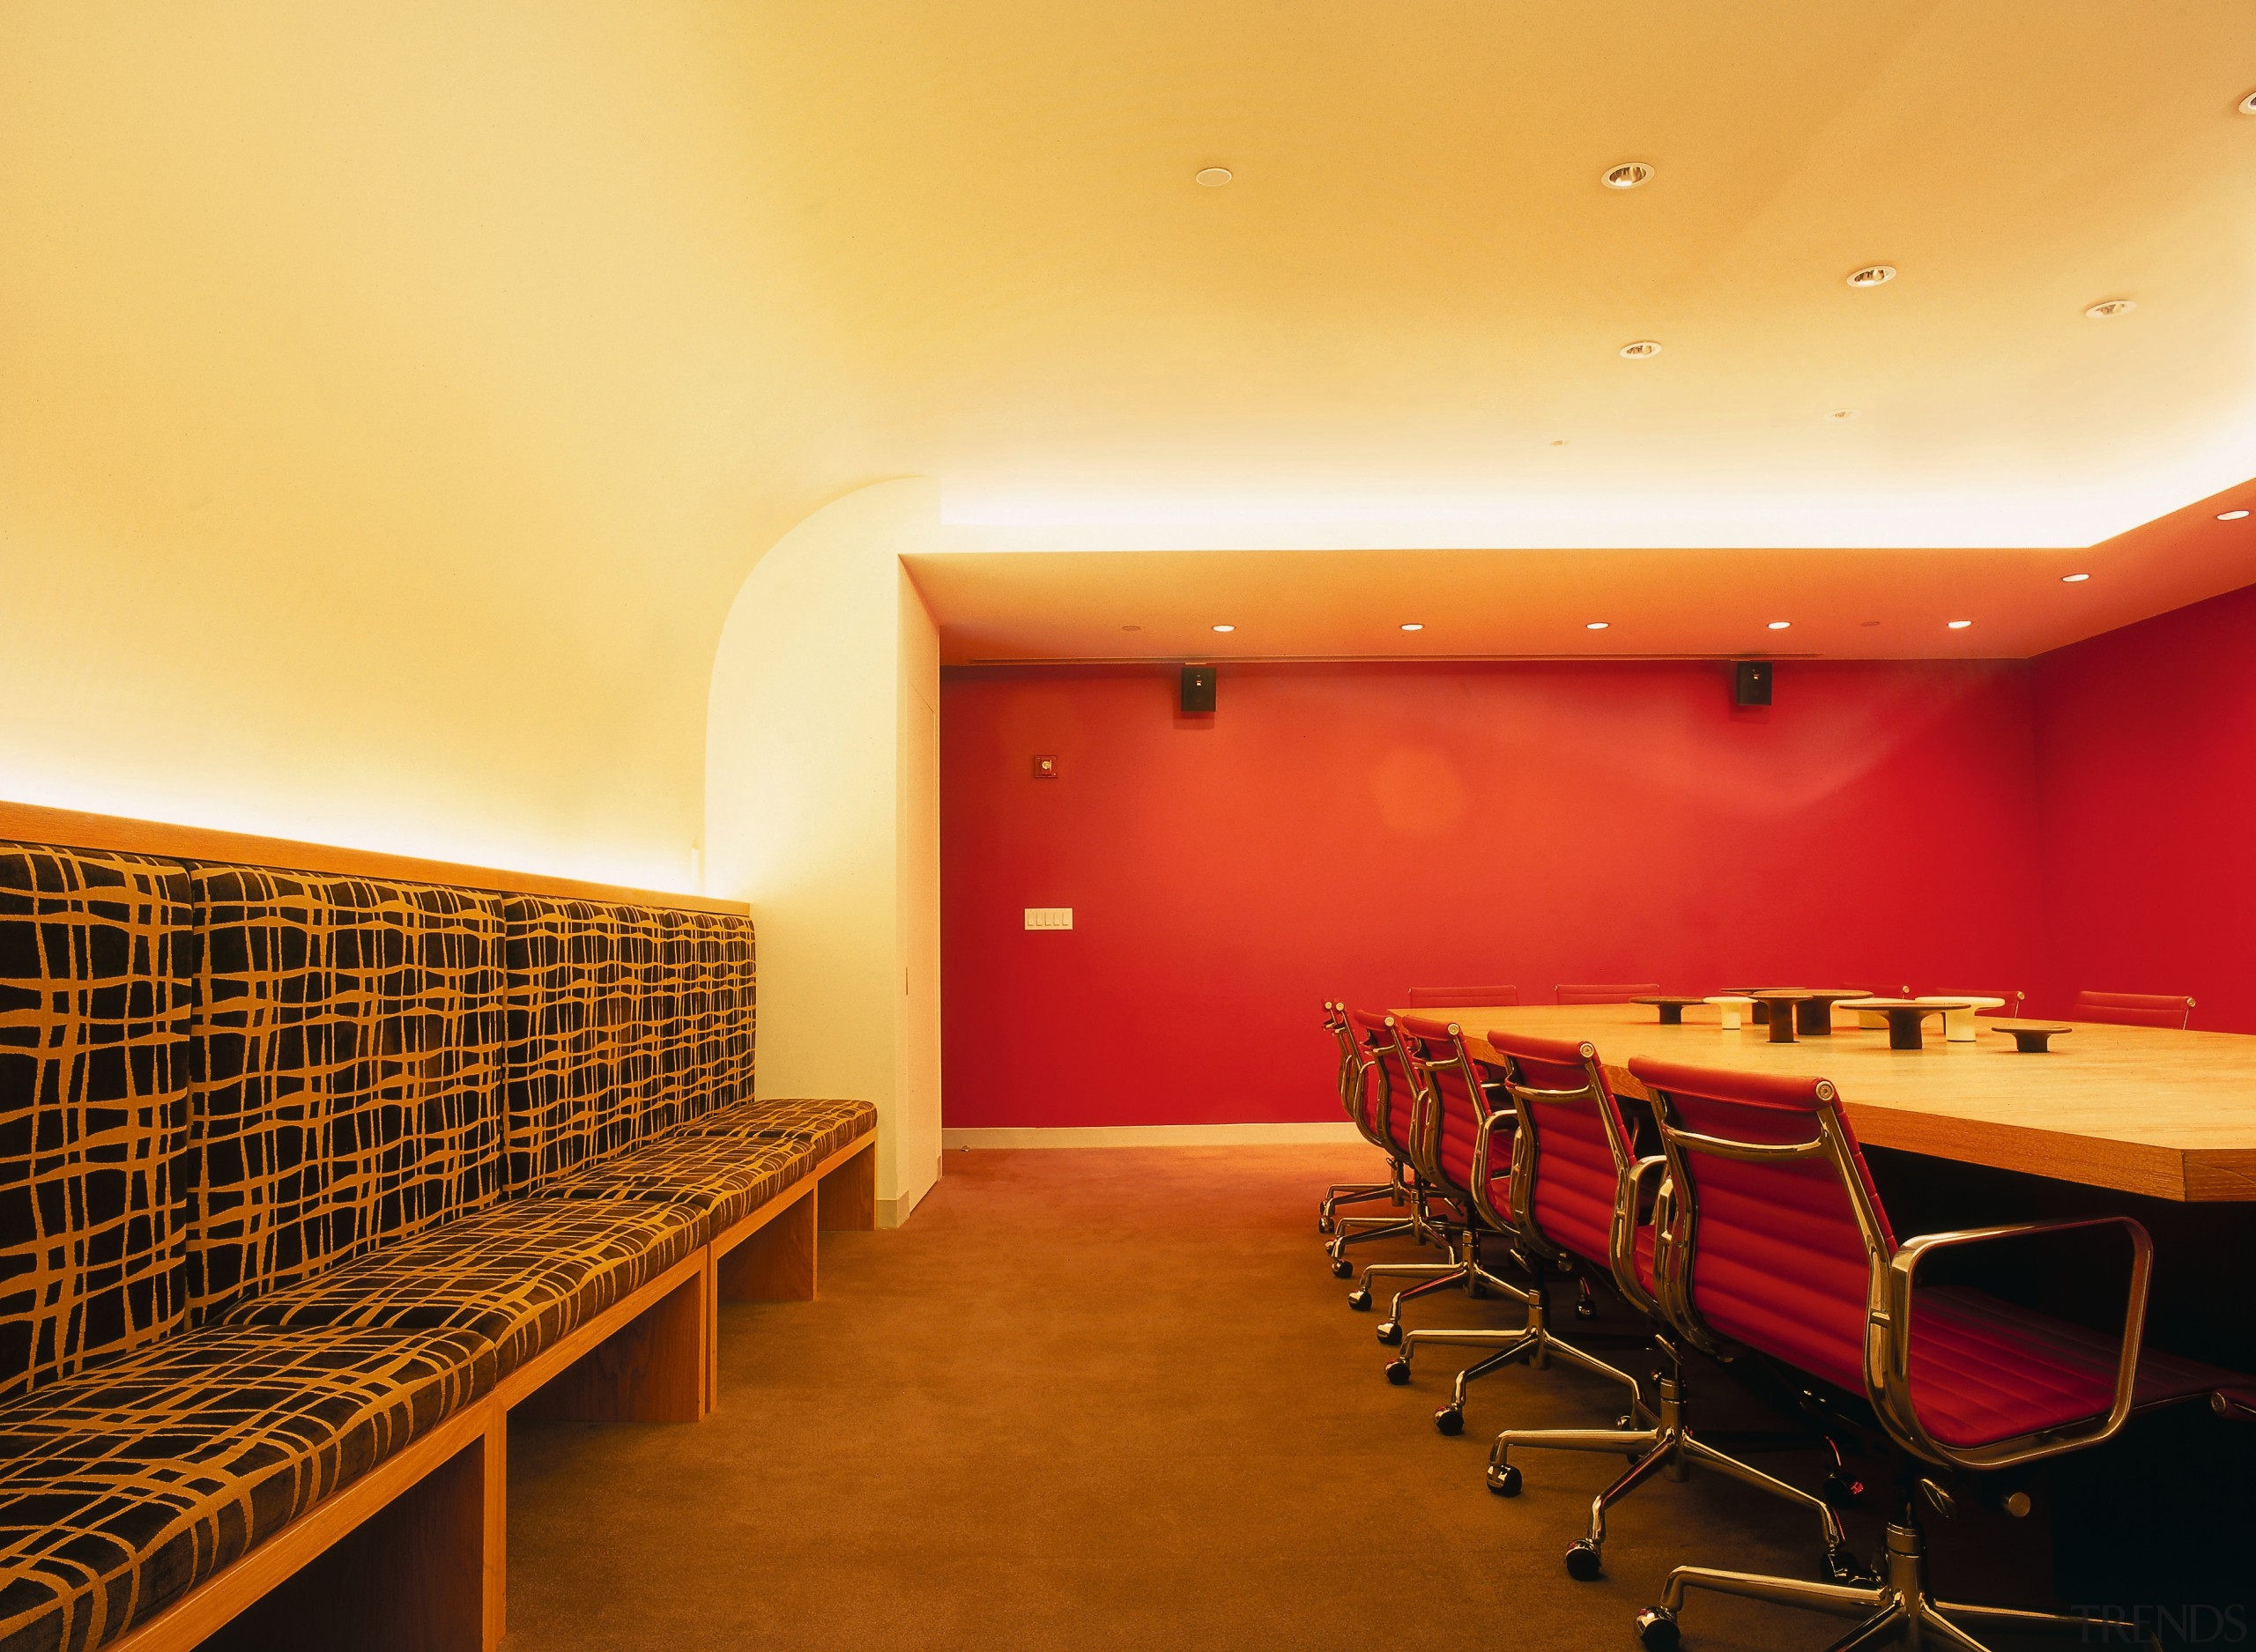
[
  {"x": 1585, "y": 1310},
  {"x": 1341, "y": 1267},
  {"x": 1398, "y": 1372},
  {"x": 1359, "y": 1300},
  {"x": 1323, "y": 1224},
  {"x": 1450, "y": 1420},
  {"x": 1583, "y": 1563},
  {"x": 1841, "y": 1489},
  {"x": 1505, "y": 1482},
  {"x": 1657, "y": 1630},
  {"x": 1391, "y": 1334},
  {"x": 1625, "y": 1422}
]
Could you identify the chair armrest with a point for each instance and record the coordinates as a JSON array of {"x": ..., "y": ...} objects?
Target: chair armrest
[
  {"x": 1624, "y": 1237},
  {"x": 1887, "y": 1344}
]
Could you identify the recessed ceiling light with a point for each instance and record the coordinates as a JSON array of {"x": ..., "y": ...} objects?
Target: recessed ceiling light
[
  {"x": 1639, "y": 351},
  {"x": 1627, "y": 175},
  {"x": 1960, "y": 625},
  {"x": 1132, "y": 628},
  {"x": 2247, "y": 105},
  {"x": 1844, "y": 412},
  {"x": 1780, "y": 625},
  {"x": 1560, "y": 442},
  {"x": 2073, "y": 579},
  {"x": 1212, "y": 177},
  {"x": 2107, "y": 308},
  {"x": 2230, "y": 516},
  {"x": 1225, "y": 627},
  {"x": 1597, "y": 625},
  {"x": 1413, "y": 625},
  {"x": 1872, "y": 274},
  {"x": 1868, "y": 623}
]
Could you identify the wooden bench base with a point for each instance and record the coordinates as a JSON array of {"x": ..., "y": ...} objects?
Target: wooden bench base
[{"x": 413, "y": 1554}]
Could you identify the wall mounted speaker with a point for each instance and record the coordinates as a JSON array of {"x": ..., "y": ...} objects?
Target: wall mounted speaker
[
  {"x": 1750, "y": 682},
  {"x": 1198, "y": 691}
]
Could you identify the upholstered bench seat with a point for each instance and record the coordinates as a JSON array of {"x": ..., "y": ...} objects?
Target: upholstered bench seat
[
  {"x": 124, "y": 1488},
  {"x": 822, "y": 1124},
  {"x": 727, "y": 1177},
  {"x": 523, "y": 1274}
]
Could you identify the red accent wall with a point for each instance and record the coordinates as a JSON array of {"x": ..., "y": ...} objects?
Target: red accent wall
[
  {"x": 2146, "y": 785},
  {"x": 1354, "y": 831}
]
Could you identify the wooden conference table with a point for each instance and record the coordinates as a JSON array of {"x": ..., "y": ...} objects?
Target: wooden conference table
[{"x": 2145, "y": 1110}]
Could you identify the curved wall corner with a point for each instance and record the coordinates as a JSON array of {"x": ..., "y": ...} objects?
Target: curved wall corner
[{"x": 822, "y": 810}]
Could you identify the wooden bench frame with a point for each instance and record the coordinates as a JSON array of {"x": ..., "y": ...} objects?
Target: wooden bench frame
[{"x": 429, "y": 1568}]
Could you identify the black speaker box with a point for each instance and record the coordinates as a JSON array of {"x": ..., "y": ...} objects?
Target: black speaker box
[
  {"x": 1198, "y": 691},
  {"x": 1750, "y": 683}
]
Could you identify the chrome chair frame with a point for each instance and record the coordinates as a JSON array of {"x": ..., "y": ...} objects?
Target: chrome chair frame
[
  {"x": 1353, "y": 1079},
  {"x": 1534, "y": 1340},
  {"x": 1413, "y": 1222},
  {"x": 1659, "y": 1440},
  {"x": 1898, "y": 1601},
  {"x": 1459, "y": 1229}
]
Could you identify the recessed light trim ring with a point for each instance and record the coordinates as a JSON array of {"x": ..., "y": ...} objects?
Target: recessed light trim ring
[
  {"x": 1643, "y": 350},
  {"x": 2107, "y": 307},
  {"x": 1212, "y": 177},
  {"x": 1627, "y": 174},
  {"x": 1872, "y": 274}
]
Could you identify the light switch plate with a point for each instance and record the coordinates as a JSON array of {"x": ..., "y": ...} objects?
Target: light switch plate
[{"x": 1049, "y": 917}]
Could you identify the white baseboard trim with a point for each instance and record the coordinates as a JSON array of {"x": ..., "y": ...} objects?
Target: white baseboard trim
[
  {"x": 1153, "y": 1136},
  {"x": 893, "y": 1213}
]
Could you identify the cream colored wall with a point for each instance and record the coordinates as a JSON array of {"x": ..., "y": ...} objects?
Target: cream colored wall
[
  {"x": 391, "y": 402},
  {"x": 916, "y": 1054},
  {"x": 821, "y": 811}
]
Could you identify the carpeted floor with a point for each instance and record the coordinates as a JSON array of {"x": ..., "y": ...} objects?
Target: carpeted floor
[{"x": 1092, "y": 1400}]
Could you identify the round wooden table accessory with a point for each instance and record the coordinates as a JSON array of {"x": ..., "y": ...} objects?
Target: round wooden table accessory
[
  {"x": 1904, "y": 1016},
  {"x": 2030, "y": 1038},
  {"x": 1785, "y": 1005}
]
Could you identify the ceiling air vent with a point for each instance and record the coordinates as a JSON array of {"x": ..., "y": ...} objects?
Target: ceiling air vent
[
  {"x": 1627, "y": 175},
  {"x": 1639, "y": 351},
  {"x": 1872, "y": 274}
]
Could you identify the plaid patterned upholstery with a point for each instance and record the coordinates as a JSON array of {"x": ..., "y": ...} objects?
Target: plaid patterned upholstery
[
  {"x": 351, "y": 1047},
  {"x": 624, "y": 1021},
  {"x": 122, "y": 1489},
  {"x": 522, "y": 1275},
  {"x": 724, "y": 1037},
  {"x": 726, "y": 1177},
  {"x": 820, "y": 1124},
  {"x": 565, "y": 1107},
  {"x": 96, "y": 989}
]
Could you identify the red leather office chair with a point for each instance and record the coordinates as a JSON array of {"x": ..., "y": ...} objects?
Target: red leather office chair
[
  {"x": 2133, "y": 1009},
  {"x": 1606, "y": 994},
  {"x": 1776, "y": 1243},
  {"x": 1354, "y": 1086},
  {"x": 1457, "y": 997},
  {"x": 1460, "y": 1149},
  {"x": 1389, "y": 1118},
  {"x": 1581, "y": 1198}
]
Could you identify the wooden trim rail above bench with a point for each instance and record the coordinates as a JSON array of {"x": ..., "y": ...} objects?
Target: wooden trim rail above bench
[{"x": 35, "y": 823}]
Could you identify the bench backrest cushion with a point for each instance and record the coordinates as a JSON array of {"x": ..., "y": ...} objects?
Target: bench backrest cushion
[
  {"x": 710, "y": 1010},
  {"x": 624, "y": 1021},
  {"x": 575, "y": 1051},
  {"x": 97, "y": 991},
  {"x": 352, "y": 1065}
]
